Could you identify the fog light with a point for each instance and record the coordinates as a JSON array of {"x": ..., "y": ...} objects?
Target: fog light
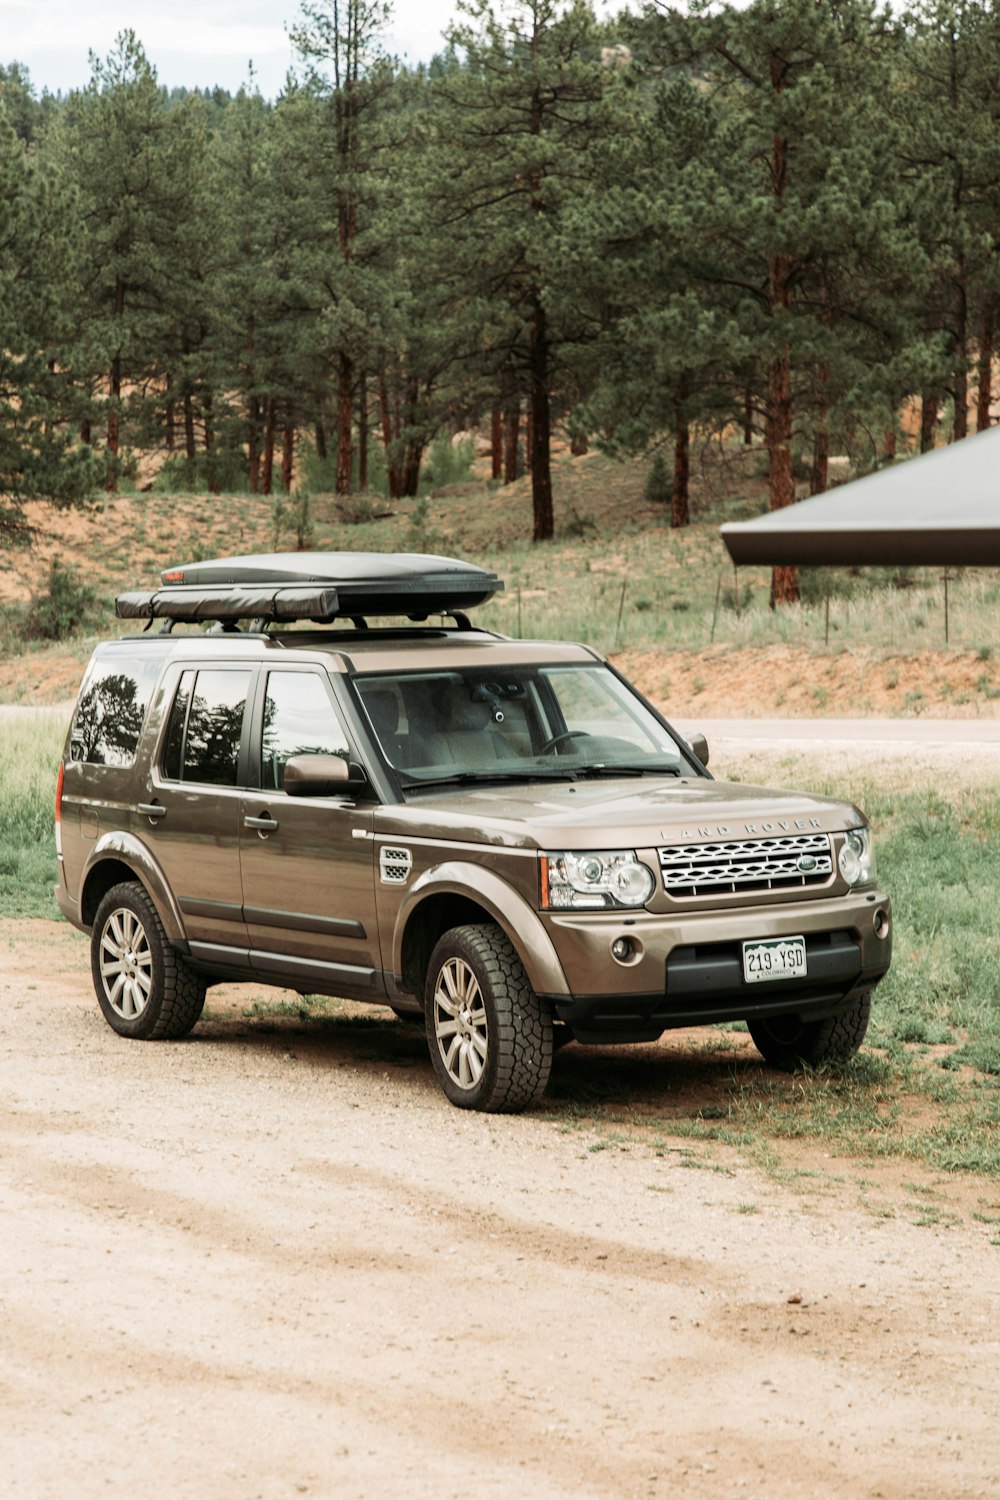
[
  {"x": 881, "y": 924},
  {"x": 622, "y": 949}
]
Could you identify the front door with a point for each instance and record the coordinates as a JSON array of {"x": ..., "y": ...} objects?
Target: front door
[{"x": 308, "y": 874}]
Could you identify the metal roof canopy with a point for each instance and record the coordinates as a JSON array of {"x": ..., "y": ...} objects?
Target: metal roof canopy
[
  {"x": 319, "y": 586},
  {"x": 939, "y": 510}
]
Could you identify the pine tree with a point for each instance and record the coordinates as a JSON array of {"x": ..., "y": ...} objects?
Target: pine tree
[
  {"x": 351, "y": 77},
  {"x": 129, "y": 157},
  {"x": 516, "y": 126},
  {"x": 799, "y": 200},
  {"x": 950, "y": 158},
  {"x": 38, "y": 457}
]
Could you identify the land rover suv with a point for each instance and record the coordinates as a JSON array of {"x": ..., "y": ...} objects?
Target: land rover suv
[{"x": 500, "y": 836}]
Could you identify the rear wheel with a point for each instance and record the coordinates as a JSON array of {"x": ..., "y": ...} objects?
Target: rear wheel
[
  {"x": 788, "y": 1041},
  {"x": 145, "y": 989},
  {"x": 489, "y": 1035}
]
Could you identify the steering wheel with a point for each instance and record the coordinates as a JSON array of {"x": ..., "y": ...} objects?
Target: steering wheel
[{"x": 553, "y": 744}]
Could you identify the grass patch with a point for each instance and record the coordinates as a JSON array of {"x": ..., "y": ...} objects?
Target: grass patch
[{"x": 30, "y": 746}]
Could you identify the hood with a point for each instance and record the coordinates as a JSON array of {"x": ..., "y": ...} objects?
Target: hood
[{"x": 605, "y": 813}]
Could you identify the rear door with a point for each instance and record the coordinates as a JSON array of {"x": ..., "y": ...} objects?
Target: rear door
[
  {"x": 307, "y": 862},
  {"x": 191, "y": 816}
]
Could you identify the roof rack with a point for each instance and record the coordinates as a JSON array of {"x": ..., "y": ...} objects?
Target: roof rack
[{"x": 316, "y": 586}]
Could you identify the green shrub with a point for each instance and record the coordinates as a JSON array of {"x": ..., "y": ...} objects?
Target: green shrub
[
  {"x": 657, "y": 488},
  {"x": 446, "y": 463},
  {"x": 65, "y": 605},
  {"x": 225, "y": 471}
]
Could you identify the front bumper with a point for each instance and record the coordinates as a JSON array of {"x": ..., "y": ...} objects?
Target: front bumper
[{"x": 688, "y": 970}]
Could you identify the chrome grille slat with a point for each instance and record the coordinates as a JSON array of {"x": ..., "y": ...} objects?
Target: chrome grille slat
[{"x": 743, "y": 865}]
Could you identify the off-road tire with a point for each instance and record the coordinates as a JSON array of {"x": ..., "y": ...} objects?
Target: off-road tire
[
  {"x": 789, "y": 1041},
  {"x": 490, "y": 1037},
  {"x": 146, "y": 990}
]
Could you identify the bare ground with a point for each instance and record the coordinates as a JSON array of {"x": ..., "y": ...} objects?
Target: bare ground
[{"x": 271, "y": 1261}]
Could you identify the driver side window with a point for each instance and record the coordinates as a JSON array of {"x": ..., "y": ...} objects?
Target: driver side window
[{"x": 299, "y": 719}]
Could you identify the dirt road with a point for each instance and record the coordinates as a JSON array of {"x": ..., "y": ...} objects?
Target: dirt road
[{"x": 272, "y": 1261}]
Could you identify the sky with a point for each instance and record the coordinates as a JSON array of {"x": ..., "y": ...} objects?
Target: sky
[{"x": 191, "y": 43}]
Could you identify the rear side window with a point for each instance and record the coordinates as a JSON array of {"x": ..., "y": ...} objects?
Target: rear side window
[
  {"x": 111, "y": 708},
  {"x": 206, "y": 726}
]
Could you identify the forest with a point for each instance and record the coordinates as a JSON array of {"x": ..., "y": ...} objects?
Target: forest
[{"x": 779, "y": 222}]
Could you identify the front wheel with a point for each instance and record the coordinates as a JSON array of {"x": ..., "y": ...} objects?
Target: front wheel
[
  {"x": 789, "y": 1041},
  {"x": 489, "y": 1035},
  {"x": 145, "y": 989}
]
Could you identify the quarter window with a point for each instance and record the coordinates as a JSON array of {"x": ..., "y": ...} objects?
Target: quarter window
[{"x": 112, "y": 707}]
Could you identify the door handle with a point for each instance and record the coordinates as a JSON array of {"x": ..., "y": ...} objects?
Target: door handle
[
  {"x": 152, "y": 809},
  {"x": 265, "y": 824}
]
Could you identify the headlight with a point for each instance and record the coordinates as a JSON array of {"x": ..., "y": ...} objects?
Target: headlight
[
  {"x": 857, "y": 857},
  {"x": 593, "y": 881}
]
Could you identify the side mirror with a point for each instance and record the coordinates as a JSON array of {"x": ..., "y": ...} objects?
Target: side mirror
[
  {"x": 698, "y": 744},
  {"x": 322, "y": 776}
]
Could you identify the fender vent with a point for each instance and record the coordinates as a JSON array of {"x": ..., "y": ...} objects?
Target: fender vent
[{"x": 394, "y": 865}]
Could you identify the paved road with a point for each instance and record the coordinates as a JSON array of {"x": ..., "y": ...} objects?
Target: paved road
[{"x": 848, "y": 731}]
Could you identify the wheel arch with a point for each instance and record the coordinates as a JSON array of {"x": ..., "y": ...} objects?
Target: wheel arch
[
  {"x": 119, "y": 858},
  {"x": 455, "y": 895}
]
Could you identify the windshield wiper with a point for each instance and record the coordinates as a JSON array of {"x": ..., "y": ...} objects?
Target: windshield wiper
[
  {"x": 612, "y": 768},
  {"x": 480, "y": 778}
]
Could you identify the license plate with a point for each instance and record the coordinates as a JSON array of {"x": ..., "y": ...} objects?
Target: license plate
[{"x": 774, "y": 958}]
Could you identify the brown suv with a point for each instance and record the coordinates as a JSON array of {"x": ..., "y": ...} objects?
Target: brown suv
[{"x": 501, "y": 835}]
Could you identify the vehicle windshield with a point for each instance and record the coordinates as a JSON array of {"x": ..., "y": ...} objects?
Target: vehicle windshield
[{"x": 521, "y": 723}]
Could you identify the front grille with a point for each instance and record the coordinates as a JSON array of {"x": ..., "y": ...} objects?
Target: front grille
[{"x": 747, "y": 865}]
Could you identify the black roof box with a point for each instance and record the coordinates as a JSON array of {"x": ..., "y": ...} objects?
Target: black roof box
[{"x": 319, "y": 586}]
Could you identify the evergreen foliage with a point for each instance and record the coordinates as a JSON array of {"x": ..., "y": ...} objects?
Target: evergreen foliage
[{"x": 777, "y": 221}]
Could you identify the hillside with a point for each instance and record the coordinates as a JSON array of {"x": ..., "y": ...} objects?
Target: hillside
[{"x": 667, "y": 606}]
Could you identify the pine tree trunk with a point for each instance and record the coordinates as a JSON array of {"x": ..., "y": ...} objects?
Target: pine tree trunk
[
  {"x": 540, "y": 448},
  {"x": 778, "y": 434},
  {"x": 115, "y": 393},
  {"x": 928, "y": 420},
  {"x": 393, "y": 469},
  {"x": 819, "y": 474},
  {"x": 287, "y": 457},
  {"x": 889, "y": 445},
  {"x": 213, "y": 468},
  {"x": 267, "y": 466},
  {"x": 496, "y": 442},
  {"x": 748, "y": 418},
  {"x": 190, "y": 448},
  {"x": 960, "y": 423},
  {"x": 362, "y": 431},
  {"x": 512, "y": 427},
  {"x": 319, "y": 432},
  {"x": 778, "y": 419},
  {"x": 680, "y": 514},
  {"x": 984, "y": 394},
  {"x": 413, "y": 457},
  {"x": 579, "y": 444},
  {"x": 345, "y": 417},
  {"x": 253, "y": 445},
  {"x": 114, "y": 420},
  {"x": 529, "y": 438},
  {"x": 170, "y": 415}
]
